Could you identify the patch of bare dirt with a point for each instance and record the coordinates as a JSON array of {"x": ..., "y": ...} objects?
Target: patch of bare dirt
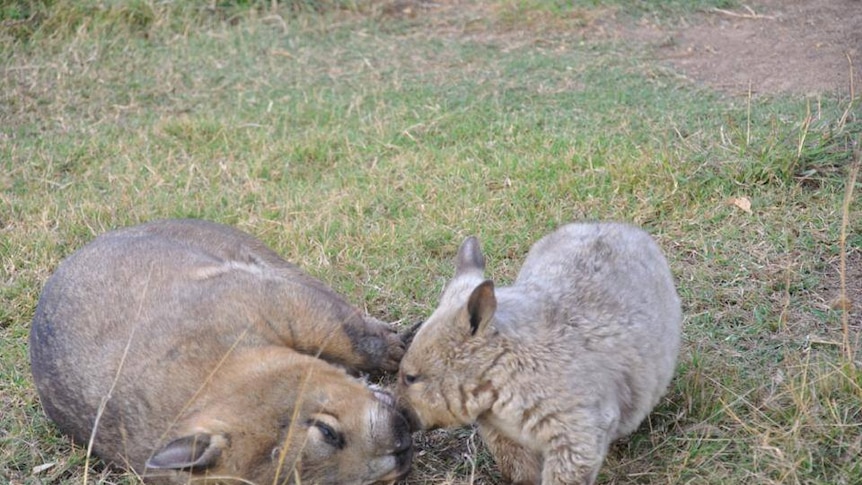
[
  {"x": 771, "y": 46},
  {"x": 768, "y": 46}
]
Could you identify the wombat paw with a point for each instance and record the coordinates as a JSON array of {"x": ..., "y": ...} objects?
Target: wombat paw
[{"x": 388, "y": 347}]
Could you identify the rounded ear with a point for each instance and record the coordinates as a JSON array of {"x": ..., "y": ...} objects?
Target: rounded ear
[
  {"x": 470, "y": 258},
  {"x": 481, "y": 306},
  {"x": 192, "y": 452}
]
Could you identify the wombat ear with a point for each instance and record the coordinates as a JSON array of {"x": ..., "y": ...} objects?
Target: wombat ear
[
  {"x": 481, "y": 306},
  {"x": 470, "y": 258},
  {"x": 192, "y": 452}
]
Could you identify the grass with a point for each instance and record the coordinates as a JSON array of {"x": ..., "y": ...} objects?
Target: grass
[{"x": 364, "y": 145}]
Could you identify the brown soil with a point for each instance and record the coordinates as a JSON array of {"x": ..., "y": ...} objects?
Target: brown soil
[
  {"x": 770, "y": 46},
  {"x": 803, "y": 47}
]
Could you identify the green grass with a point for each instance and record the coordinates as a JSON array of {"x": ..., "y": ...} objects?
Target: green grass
[{"x": 365, "y": 147}]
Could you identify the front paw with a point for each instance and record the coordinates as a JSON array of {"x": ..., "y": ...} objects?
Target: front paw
[
  {"x": 408, "y": 334},
  {"x": 384, "y": 346}
]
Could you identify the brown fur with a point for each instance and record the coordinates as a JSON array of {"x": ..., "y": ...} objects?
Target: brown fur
[
  {"x": 210, "y": 356},
  {"x": 572, "y": 356}
]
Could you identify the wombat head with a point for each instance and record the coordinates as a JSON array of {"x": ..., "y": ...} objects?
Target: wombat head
[
  {"x": 326, "y": 428},
  {"x": 440, "y": 375}
]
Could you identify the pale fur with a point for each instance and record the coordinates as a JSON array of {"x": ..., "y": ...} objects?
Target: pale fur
[
  {"x": 575, "y": 354},
  {"x": 197, "y": 353}
]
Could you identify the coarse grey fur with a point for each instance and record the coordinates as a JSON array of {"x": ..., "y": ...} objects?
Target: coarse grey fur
[
  {"x": 187, "y": 350},
  {"x": 573, "y": 355}
]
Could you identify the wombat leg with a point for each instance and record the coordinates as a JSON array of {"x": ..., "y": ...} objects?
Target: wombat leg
[
  {"x": 573, "y": 464},
  {"x": 517, "y": 465},
  {"x": 337, "y": 331}
]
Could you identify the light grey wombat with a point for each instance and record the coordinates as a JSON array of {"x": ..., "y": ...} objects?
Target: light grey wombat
[
  {"x": 199, "y": 354},
  {"x": 572, "y": 356}
]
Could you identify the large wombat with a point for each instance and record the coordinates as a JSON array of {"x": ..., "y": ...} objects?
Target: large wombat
[
  {"x": 188, "y": 350},
  {"x": 553, "y": 368}
]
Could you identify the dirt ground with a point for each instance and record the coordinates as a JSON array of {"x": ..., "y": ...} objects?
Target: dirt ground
[
  {"x": 805, "y": 47},
  {"x": 802, "y": 47},
  {"x": 778, "y": 46}
]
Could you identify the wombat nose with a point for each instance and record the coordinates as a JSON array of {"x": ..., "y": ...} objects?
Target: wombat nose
[
  {"x": 403, "y": 443},
  {"x": 404, "y": 456},
  {"x": 409, "y": 420},
  {"x": 403, "y": 434}
]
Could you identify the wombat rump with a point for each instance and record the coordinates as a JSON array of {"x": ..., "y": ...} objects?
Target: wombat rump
[
  {"x": 572, "y": 356},
  {"x": 185, "y": 350}
]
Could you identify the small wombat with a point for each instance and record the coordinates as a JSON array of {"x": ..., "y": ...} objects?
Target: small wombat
[
  {"x": 572, "y": 356},
  {"x": 187, "y": 351}
]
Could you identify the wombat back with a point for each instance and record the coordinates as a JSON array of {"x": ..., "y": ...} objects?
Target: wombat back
[
  {"x": 186, "y": 349},
  {"x": 611, "y": 282}
]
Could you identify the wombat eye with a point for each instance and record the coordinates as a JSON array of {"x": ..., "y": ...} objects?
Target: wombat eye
[
  {"x": 409, "y": 379},
  {"x": 330, "y": 435}
]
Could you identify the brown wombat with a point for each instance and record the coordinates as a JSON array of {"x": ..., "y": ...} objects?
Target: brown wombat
[
  {"x": 187, "y": 350},
  {"x": 553, "y": 368}
]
